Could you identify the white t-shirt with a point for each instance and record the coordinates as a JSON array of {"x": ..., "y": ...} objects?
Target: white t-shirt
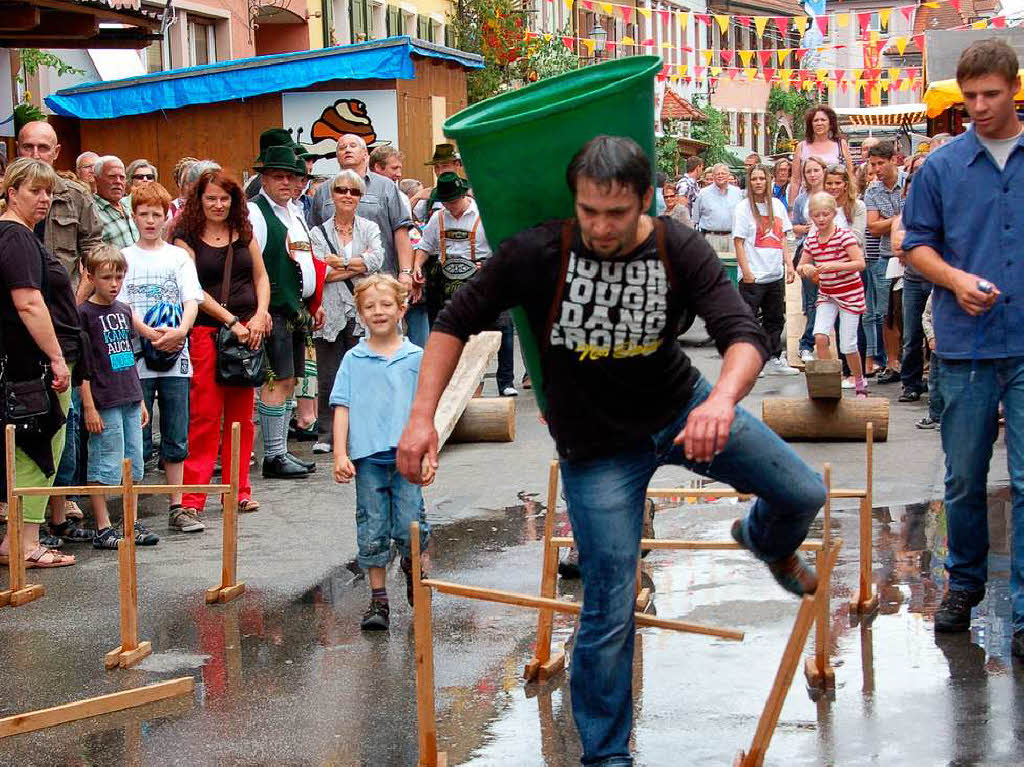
[
  {"x": 764, "y": 248},
  {"x": 166, "y": 275},
  {"x": 1000, "y": 148}
]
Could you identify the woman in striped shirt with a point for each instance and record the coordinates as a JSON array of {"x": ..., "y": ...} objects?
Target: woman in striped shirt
[{"x": 832, "y": 258}]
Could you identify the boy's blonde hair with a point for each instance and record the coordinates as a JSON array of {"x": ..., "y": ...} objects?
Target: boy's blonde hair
[
  {"x": 382, "y": 282},
  {"x": 105, "y": 255},
  {"x": 821, "y": 200}
]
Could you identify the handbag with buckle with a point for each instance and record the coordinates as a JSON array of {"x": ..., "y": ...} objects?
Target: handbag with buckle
[{"x": 237, "y": 363}]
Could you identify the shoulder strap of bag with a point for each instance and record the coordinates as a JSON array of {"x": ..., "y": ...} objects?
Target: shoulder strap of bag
[
  {"x": 565, "y": 247},
  {"x": 348, "y": 283},
  {"x": 225, "y": 285}
]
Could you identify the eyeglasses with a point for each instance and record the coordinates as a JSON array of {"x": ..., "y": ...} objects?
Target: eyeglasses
[
  {"x": 144, "y": 177},
  {"x": 346, "y": 190}
]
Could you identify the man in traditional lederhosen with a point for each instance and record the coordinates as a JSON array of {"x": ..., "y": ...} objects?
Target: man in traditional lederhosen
[
  {"x": 452, "y": 248},
  {"x": 280, "y": 231}
]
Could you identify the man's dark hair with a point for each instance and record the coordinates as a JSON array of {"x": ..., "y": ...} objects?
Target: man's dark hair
[
  {"x": 660, "y": 179},
  {"x": 987, "y": 57},
  {"x": 882, "y": 149},
  {"x": 608, "y": 160},
  {"x": 693, "y": 163}
]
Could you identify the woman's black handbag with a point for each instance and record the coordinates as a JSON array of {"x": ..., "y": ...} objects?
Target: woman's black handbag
[
  {"x": 25, "y": 402},
  {"x": 237, "y": 364}
]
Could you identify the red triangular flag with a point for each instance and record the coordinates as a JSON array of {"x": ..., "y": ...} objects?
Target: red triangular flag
[
  {"x": 744, "y": 20},
  {"x": 712, "y": 81},
  {"x": 627, "y": 13},
  {"x": 567, "y": 42},
  {"x": 999, "y": 22},
  {"x": 648, "y": 41},
  {"x": 703, "y": 17},
  {"x": 955, "y": 4},
  {"x": 769, "y": 74},
  {"x": 588, "y": 5},
  {"x": 839, "y": 74},
  {"x": 726, "y": 55},
  {"x": 822, "y": 22},
  {"x": 765, "y": 56},
  {"x": 664, "y": 16},
  {"x": 699, "y": 72},
  {"x": 919, "y": 41},
  {"x": 732, "y": 71},
  {"x": 800, "y": 53},
  {"x": 864, "y": 19},
  {"x": 781, "y": 23},
  {"x": 907, "y": 11},
  {"x": 843, "y": 85},
  {"x": 610, "y": 46}
]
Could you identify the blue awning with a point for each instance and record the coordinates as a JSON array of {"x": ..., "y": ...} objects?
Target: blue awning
[{"x": 386, "y": 59}]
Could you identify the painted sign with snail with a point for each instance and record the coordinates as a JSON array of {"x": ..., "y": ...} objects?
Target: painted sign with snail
[{"x": 317, "y": 119}]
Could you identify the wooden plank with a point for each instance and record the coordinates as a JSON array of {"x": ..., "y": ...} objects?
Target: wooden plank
[
  {"x": 526, "y": 600},
  {"x": 795, "y": 322},
  {"x": 680, "y": 545},
  {"x": 865, "y": 600},
  {"x": 103, "y": 704},
  {"x": 696, "y": 492},
  {"x": 229, "y": 567},
  {"x": 129, "y": 658},
  {"x": 824, "y": 379},
  {"x": 25, "y": 595},
  {"x": 16, "y": 557},
  {"x": 476, "y": 356},
  {"x": 818, "y": 670},
  {"x": 423, "y": 639},
  {"x": 118, "y": 490}
]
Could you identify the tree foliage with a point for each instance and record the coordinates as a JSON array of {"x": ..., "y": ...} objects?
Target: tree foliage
[
  {"x": 792, "y": 103},
  {"x": 33, "y": 59},
  {"x": 714, "y": 133},
  {"x": 547, "y": 58},
  {"x": 666, "y": 150},
  {"x": 495, "y": 29}
]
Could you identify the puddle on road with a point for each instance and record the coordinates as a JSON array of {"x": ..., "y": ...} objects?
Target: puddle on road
[{"x": 264, "y": 666}]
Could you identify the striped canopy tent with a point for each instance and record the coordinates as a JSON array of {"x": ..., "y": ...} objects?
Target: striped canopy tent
[
  {"x": 943, "y": 94},
  {"x": 883, "y": 117}
]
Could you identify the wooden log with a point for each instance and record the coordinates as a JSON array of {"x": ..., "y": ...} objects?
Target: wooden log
[
  {"x": 679, "y": 545},
  {"x": 798, "y": 418},
  {"x": 103, "y": 704},
  {"x": 526, "y": 600},
  {"x": 824, "y": 379},
  {"x": 490, "y": 419},
  {"x": 118, "y": 490},
  {"x": 476, "y": 356}
]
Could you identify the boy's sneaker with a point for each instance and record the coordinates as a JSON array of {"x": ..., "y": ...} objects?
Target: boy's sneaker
[
  {"x": 954, "y": 614},
  {"x": 509, "y": 391},
  {"x": 927, "y": 423},
  {"x": 106, "y": 538},
  {"x": 909, "y": 395},
  {"x": 145, "y": 538},
  {"x": 806, "y": 355},
  {"x": 48, "y": 540},
  {"x": 322, "y": 448},
  {"x": 377, "y": 617},
  {"x": 184, "y": 519},
  {"x": 792, "y": 573},
  {"x": 72, "y": 532}
]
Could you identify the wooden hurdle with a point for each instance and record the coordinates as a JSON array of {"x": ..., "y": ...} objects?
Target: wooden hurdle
[
  {"x": 19, "y": 593},
  {"x": 544, "y": 665},
  {"x": 429, "y": 756},
  {"x": 817, "y": 668},
  {"x": 865, "y": 600}
]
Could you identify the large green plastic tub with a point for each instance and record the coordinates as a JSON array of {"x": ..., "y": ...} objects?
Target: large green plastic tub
[
  {"x": 517, "y": 146},
  {"x": 731, "y": 267}
]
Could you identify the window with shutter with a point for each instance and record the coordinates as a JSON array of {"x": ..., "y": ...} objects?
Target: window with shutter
[
  {"x": 394, "y": 21},
  {"x": 358, "y": 13},
  {"x": 423, "y": 30}
]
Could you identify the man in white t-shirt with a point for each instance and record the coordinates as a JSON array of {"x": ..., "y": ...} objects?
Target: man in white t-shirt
[
  {"x": 163, "y": 290},
  {"x": 765, "y": 265}
]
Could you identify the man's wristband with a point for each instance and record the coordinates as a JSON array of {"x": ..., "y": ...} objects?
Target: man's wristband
[{"x": 229, "y": 325}]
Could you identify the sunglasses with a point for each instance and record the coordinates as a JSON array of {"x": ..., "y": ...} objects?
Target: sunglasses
[
  {"x": 346, "y": 190},
  {"x": 144, "y": 177}
]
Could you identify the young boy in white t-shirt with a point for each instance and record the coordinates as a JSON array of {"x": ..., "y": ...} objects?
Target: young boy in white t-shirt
[
  {"x": 760, "y": 226},
  {"x": 162, "y": 288}
]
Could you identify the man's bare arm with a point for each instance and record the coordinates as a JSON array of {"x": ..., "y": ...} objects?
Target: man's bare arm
[{"x": 419, "y": 439}]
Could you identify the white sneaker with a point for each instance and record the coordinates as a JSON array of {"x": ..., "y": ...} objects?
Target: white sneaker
[
  {"x": 509, "y": 391},
  {"x": 777, "y": 366},
  {"x": 848, "y": 383},
  {"x": 806, "y": 355},
  {"x": 322, "y": 447}
]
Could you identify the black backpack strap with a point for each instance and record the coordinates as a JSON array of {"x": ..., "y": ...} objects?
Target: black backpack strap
[{"x": 565, "y": 248}]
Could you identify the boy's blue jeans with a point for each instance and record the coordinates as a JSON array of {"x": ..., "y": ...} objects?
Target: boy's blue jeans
[
  {"x": 606, "y": 499},
  {"x": 970, "y": 425},
  {"x": 386, "y": 504}
]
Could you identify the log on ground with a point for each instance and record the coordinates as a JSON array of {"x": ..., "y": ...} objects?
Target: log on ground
[
  {"x": 798, "y": 418},
  {"x": 490, "y": 419}
]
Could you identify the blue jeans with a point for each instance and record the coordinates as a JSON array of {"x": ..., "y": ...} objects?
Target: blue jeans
[
  {"x": 386, "y": 504},
  {"x": 67, "y": 469},
  {"x": 915, "y": 295},
  {"x": 809, "y": 294},
  {"x": 934, "y": 392},
  {"x": 506, "y": 352},
  {"x": 417, "y": 324},
  {"x": 971, "y": 392},
  {"x": 172, "y": 391},
  {"x": 606, "y": 499},
  {"x": 121, "y": 438},
  {"x": 876, "y": 295}
]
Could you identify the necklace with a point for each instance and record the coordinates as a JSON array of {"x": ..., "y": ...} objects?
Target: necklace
[
  {"x": 216, "y": 236},
  {"x": 345, "y": 230}
]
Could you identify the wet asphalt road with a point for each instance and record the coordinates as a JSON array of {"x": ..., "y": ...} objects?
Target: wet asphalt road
[{"x": 285, "y": 677}]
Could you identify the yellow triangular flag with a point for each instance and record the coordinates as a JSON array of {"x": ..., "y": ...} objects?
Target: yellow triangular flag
[
  {"x": 547, "y": 37},
  {"x": 843, "y": 20},
  {"x": 808, "y": 85},
  {"x": 745, "y": 57},
  {"x": 751, "y": 73},
  {"x": 708, "y": 55},
  {"x": 590, "y": 45},
  {"x": 715, "y": 71},
  {"x": 785, "y": 75},
  {"x": 782, "y": 53},
  {"x": 978, "y": 24},
  {"x": 800, "y": 22},
  {"x": 894, "y": 73},
  {"x": 883, "y": 16},
  {"x": 568, "y": 4},
  {"x": 857, "y": 73},
  {"x": 645, "y": 12},
  {"x": 901, "y": 44},
  {"x": 665, "y": 44},
  {"x": 873, "y": 36},
  {"x": 930, "y": 5},
  {"x": 905, "y": 84},
  {"x": 682, "y": 69},
  {"x": 607, "y": 8},
  {"x": 684, "y": 19},
  {"x": 723, "y": 22},
  {"x": 820, "y": 73},
  {"x": 760, "y": 22},
  {"x": 627, "y": 40}
]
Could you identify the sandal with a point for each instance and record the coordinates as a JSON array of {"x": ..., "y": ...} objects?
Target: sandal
[
  {"x": 69, "y": 530},
  {"x": 73, "y": 511},
  {"x": 248, "y": 506},
  {"x": 56, "y": 559}
]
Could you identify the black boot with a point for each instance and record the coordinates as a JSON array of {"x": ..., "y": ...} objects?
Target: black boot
[
  {"x": 954, "y": 614},
  {"x": 279, "y": 467}
]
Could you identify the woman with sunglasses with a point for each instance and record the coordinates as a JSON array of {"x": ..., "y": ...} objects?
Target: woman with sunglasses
[{"x": 352, "y": 248}]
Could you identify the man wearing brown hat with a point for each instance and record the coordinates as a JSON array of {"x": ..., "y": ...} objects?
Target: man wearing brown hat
[
  {"x": 452, "y": 248},
  {"x": 283, "y": 240},
  {"x": 445, "y": 160}
]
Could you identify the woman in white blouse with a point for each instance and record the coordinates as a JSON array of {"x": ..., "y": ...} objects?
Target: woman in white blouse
[{"x": 352, "y": 248}]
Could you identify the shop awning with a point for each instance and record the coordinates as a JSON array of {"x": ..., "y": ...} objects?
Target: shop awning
[
  {"x": 942, "y": 94},
  {"x": 388, "y": 59},
  {"x": 888, "y": 116}
]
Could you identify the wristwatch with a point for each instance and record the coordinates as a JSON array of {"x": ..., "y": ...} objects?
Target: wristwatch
[
  {"x": 407, "y": 271},
  {"x": 229, "y": 325}
]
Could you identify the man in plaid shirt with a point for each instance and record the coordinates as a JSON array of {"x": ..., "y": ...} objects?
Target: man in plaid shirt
[
  {"x": 114, "y": 209},
  {"x": 688, "y": 185}
]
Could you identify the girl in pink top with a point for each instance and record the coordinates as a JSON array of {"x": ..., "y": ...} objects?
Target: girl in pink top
[
  {"x": 832, "y": 258},
  {"x": 822, "y": 139}
]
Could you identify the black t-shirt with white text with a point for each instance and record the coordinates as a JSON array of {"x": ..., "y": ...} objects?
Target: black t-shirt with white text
[{"x": 614, "y": 373}]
